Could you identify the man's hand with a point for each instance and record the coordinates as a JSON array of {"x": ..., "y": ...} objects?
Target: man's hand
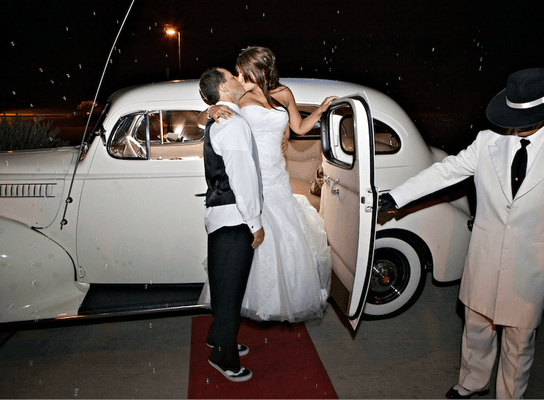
[
  {"x": 386, "y": 202},
  {"x": 387, "y": 208},
  {"x": 258, "y": 238}
]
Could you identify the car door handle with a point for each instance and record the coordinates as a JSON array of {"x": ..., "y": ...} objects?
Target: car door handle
[
  {"x": 200, "y": 194},
  {"x": 334, "y": 189}
]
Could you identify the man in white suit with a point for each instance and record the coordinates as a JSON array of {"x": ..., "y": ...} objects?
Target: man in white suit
[{"x": 503, "y": 278}]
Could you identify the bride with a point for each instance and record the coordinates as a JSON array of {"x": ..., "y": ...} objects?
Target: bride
[{"x": 291, "y": 271}]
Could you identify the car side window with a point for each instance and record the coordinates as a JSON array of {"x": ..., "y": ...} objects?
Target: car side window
[
  {"x": 386, "y": 140},
  {"x": 347, "y": 134},
  {"x": 174, "y": 126},
  {"x": 129, "y": 137},
  {"x": 163, "y": 134},
  {"x": 338, "y": 142}
]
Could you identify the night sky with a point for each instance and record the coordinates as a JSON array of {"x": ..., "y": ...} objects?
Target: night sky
[{"x": 441, "y": 60}]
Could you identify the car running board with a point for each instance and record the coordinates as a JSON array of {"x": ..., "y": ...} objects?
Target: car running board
[{"x": 135, "y": 298}]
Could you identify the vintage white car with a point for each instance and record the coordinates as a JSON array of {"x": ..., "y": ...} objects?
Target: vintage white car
[{"x": 116, "y": 225}]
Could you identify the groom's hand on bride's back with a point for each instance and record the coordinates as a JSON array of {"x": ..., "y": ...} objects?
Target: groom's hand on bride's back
[{"x": 258, "y": 238}]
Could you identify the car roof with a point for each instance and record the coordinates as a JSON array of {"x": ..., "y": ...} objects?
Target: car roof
[{"x": 305, "y": 91}]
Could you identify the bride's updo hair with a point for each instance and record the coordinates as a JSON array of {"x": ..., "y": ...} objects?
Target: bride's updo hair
[{"x": 258, "y": 65}]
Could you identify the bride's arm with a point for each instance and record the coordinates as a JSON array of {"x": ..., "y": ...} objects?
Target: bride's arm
[
  {"x": 214, "y": 112},
  {"x": 296, "y": 122}
]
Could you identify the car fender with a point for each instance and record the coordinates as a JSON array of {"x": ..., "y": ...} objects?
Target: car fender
[
  {"x": 37, "y": 276},
  {"x": 448, "y": 245}
]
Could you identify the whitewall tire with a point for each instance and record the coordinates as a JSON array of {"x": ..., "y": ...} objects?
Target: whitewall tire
[{"x": 397, "y": 280}]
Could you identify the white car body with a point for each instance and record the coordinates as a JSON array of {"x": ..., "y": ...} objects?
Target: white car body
[{"x": 130, "y": 231}]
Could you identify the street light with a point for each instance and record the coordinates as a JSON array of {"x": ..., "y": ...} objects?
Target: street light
[{"x": 172, "y": 32}]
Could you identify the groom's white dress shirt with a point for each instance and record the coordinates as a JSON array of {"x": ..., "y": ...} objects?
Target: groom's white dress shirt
[{"x": 233, "y": 141}]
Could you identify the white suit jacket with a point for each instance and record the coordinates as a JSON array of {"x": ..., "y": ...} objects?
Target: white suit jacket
[{"x": 503, "y": 277}]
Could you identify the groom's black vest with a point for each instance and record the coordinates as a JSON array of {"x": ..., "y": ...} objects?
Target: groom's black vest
[{"x": 219, "y": 192}]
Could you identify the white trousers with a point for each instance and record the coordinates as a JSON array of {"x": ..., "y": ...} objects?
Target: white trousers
[{"x": 479, "y": 352}]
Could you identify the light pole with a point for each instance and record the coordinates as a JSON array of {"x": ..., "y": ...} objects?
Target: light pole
[{"x": 172, "y": 32}]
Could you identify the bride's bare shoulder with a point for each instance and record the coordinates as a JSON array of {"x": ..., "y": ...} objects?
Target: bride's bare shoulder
[
  {"x": 281, "y": 90},
  {"x": 284, "y": 95}
]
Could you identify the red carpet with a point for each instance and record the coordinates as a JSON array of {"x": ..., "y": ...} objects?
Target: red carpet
[{"x": 282, "y": 357}]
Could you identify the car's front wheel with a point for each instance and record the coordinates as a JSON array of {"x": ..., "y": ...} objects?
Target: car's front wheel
[{"x": 397, "y": 279}]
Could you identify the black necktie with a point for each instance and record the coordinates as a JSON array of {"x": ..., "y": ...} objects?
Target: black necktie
[{"x": 519, "y": 166}]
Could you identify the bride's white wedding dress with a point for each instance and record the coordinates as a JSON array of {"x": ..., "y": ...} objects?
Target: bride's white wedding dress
[{"x": 291, "y": 271}]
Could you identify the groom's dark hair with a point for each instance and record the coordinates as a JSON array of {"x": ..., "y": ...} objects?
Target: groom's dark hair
[{"x": 209, "y": 85}]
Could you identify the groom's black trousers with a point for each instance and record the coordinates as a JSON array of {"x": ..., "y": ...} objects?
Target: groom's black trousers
[{"x": 229, "y": 260}]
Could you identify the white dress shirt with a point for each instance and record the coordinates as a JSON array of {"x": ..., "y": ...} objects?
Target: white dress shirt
[{"x": 233, "y": 141}]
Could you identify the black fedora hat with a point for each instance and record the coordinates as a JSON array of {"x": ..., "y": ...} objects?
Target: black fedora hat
[{"x": 521, "y": 104}]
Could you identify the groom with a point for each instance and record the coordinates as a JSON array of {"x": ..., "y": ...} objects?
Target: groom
[{"x": 233, "y": 219}]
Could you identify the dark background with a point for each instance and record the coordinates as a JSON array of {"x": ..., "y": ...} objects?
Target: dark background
[{"x": 441, "y": 60}]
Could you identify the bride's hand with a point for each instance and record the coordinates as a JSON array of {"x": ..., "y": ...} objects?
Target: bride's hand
[
  {"x": 220, "y": 111},
  {"x": 285, "y": 141},
  {"x": 326, "y": 103}
]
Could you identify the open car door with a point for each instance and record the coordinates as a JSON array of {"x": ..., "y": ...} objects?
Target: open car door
[{"x": 349, "y": 200}]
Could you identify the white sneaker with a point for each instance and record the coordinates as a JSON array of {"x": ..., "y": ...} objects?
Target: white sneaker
[{"x": 242, "y": 375}]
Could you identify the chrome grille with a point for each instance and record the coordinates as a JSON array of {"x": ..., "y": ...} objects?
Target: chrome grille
[{"x": 27, "y": 190}]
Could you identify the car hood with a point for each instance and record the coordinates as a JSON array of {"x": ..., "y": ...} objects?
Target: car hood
[{"x": 32, "y": 184}]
